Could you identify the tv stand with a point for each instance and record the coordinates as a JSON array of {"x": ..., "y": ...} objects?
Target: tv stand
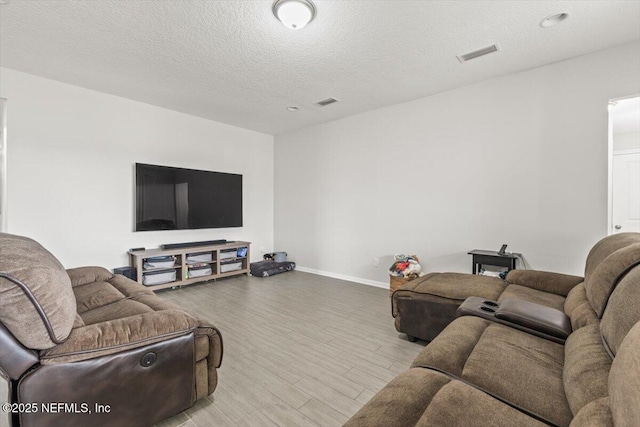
[{"x": 225, "y": 260}]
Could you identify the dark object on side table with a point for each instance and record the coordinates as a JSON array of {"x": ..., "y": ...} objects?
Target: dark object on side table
[{"x": 269, "y": 268}]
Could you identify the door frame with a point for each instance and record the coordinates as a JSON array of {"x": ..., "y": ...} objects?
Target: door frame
[
  {"x": 610, "y": 161},
  {"x": 633, "y": 151}
]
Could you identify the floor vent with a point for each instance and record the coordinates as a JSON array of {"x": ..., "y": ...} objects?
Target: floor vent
[
  {"x": 478, "y": 53},
  {"x": 327, "y": 101}
]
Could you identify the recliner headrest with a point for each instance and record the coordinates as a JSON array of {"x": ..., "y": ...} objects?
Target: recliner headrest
[
  {"x": 606, "y": 247},
  {"x": 38, "y": 305},
  {"x": 600, "y": 283}
]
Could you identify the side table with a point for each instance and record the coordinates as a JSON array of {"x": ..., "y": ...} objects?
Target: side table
[{"x": 481, "y": 257}]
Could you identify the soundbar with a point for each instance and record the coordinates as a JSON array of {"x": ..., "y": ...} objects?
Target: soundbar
[{"x": 191, "y": 244}]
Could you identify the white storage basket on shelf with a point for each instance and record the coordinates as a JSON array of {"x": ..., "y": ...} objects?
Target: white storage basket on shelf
[
  {"x": 200, "y": 271},
  {"x": 230, "y": 266},
  {"x": 199, "y": 257},
  {"x": 159, "y": 277},
  {"x": 159, "y": 262}
]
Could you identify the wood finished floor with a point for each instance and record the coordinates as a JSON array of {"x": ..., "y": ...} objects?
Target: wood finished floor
[{"x": 299, "y": 350}]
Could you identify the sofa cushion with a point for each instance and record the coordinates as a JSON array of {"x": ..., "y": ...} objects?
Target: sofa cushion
[
  {"x": 78, "y": 322},
  {"x": 595, "y": 414},
  {"x": 624, "y": 381},
  {"x": 95, "y": 295},
  {"x": 111, "y": 297},
  {"x": 118, "y": 335},
  {"x": 451, "y": 286},
  {"x": 606, "y": 247},
  {"x": 505, "y": 359},
  {"x": 623, "y": 310},
  {"x": 128, "y": 287},
  {"x": 37, "y": 303},
  {"x": 603, "y": 279},
  {"x": 545, "y": 281},
  {"x": 586, "y": 368},
  {"x": 500, "y": 360},
  {"x": 155, "y": 303},
  {"x": 450, "y": 350},
  {"x": 84, "y": 275},
  {"x": 422, "y": 397},
  {"x": 577, "y": 307},
  {"x": 533, "y": 295},
  {"x": 117, "y": 310}
]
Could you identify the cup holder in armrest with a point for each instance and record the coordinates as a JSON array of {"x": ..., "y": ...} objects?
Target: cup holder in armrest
[{"x": 479, "y": 307}]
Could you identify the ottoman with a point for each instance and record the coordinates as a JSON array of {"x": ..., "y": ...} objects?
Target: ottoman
[{"x": 425, "y": 306}]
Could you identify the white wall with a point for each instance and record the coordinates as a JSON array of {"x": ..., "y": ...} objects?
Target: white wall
[
  {"x": 520, "y": 159},
  {"x": 71, "y": 156}
]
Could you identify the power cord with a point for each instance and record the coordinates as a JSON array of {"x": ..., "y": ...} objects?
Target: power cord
[{"x": 523, "y": 262}]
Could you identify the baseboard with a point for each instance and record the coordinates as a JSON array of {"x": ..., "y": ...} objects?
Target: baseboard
[{"x": 344, "y": 277}]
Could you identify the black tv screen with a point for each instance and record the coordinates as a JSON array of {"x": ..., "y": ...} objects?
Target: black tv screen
[{"x": 177, "y": 199}]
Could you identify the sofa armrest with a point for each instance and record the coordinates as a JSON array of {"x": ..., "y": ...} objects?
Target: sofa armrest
[
  {"x": 115, "y": 336},
  {"x": 545, "y": 281},
  {"x": 535, "y": 316},
  {"x": 15, "y": 359},
  {"x": 216, "y": 347},
  {"x": 535, "y": 319}
]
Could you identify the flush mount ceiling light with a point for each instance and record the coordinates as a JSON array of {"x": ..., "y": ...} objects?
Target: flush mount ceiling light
[
  {"x": 553, "y": 20},
  {"x": 294, "y": 14},
  {"x": 293, "y": 108}
]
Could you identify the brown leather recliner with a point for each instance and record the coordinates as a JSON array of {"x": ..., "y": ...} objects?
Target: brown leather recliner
[{"x": 85, "y": 347}]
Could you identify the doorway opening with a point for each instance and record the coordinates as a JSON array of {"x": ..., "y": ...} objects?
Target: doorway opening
[{"x": 624, "y": 165}]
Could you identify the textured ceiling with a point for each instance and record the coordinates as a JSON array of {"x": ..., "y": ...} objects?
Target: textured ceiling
[{"x": 233, "y": 62}]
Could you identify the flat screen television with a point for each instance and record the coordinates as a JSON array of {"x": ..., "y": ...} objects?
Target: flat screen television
[{"x": 176, "y": 199}]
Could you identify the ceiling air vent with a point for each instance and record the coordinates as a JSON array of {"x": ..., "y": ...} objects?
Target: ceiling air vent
[
  {"x": 326, "y": 102},
  {"x": 478, "y": 53}
]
